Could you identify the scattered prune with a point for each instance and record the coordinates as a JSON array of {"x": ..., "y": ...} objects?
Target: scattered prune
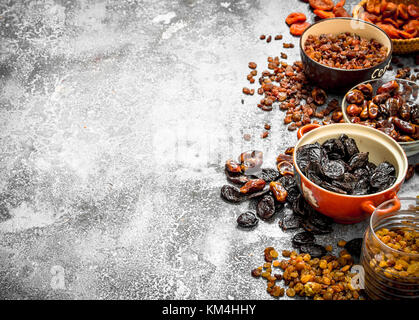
[
  {"x": 247, "y": 220},
  {"x": 303, "y": 238},
  {"x": 266, "y": 207},
  {"x": 237, "y": 178},
  {"x": 232, "y": 194},
  {"x": 314, "y": 250},
  {"x": 299, "y": 207},
  {"x": 269, "y": 174},
  {"x": 310, "y": 227},
  {"x": 289, "y": 221},
  {"x": 354, "y": 247}
]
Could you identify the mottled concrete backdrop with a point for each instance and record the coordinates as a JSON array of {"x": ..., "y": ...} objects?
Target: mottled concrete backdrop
[{"x": 115, "y": 120}]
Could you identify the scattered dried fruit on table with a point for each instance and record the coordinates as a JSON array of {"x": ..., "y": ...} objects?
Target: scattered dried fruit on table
[
  {"x": 295, "y": 17},
  {"x": 322, "y": 4},
  {"x": 247, "y": 220},
  {"x": 324, "y": 14},
  {"x": 297, "y": 28},
  {"x": 253, "y": 186},
  {"x": 278, "y": 191},
  {"x": 322, "y": 278}
]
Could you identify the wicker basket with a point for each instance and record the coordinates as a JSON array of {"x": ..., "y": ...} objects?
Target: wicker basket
[{"x": 400, "y": 46}]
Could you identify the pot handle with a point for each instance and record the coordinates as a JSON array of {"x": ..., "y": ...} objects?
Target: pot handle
[
  {"x": 304, "y": 129},
  {"x": 369, "y": 207}
]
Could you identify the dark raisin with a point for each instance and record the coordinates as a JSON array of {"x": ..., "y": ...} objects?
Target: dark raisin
[
  {"x": 303, "y": 238},
  {"x": 247, "y": 220},
  {"x": 314, "y": 250}
]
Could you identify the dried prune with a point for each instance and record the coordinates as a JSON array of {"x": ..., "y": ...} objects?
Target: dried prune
[
  {"x": 253, "y": 185},
  {"x": 303, "y": 238},
  {"x": 310, "y": 153},
  {"x": 299, "y": 207},
  {"x": 278, "y": 191},
  {"x": 289, "y": 221},
  {"x": 333, "y": 170},
  {"x": 314, "y": 250},
  {"x": 350, "y": 147},
  {"x": 386, "y": 167},
  {"x": 358, "y": 160},
  {"x": 232, "y": 194},
  {"x": 348, "y": 187},
  {"x": 269, "y": 174},
  {"x": 332, "y": 188},
  {"x": 354, "y": 247},
  {"x": 236, "y": 178},
  {"x": 247, "y": 220},
  {"x": 334, "y": 148},
  {"x": 381, "y": 181},
  {"x": 361, "y": 187},
  {"x": 320, "y": 221},
  {"x": 266, "y": 207},
  {"x": 288, "y": 182}
]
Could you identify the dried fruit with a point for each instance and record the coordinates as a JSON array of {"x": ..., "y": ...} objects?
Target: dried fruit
[
  {"x": 253, "y": 186},
  {"x": 247, "y": 220},
  {"x": 326, "y": 5},
  {"x": 345, "y": 50},
  {"x": 298, "y": 28},
  {"x": 295, "y": 17},
  {"x": 266, "y": 207}
]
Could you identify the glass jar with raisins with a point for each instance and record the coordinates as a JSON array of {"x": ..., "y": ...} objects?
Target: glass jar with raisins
[{"x": 390, "y": 251}]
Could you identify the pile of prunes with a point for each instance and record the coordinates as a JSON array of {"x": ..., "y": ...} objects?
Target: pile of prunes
[
  {"x": 338, "y": 166},
  {"x": 272, "y": 192}
]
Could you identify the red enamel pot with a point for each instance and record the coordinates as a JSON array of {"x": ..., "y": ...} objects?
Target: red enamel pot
[{"x": 351, "y": 208}]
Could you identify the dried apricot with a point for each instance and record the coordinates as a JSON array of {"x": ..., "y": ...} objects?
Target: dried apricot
[
  {"x": 326, "y": 5},
  {"x": 298, "y": 28},
  {"x": 324, "y": 14},
  {"x": 295, "y": 17}
]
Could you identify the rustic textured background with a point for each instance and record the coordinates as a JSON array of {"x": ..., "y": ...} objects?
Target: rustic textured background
[{"x": 116, "y": 118}]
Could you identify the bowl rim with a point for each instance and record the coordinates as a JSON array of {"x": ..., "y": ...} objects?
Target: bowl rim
[
  {"x": 389, "y": 54},
  {"x": 345, "y": 116},
  {"x": 351, "y": 196}
]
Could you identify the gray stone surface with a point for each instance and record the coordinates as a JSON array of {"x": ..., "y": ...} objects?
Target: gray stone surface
[{"x": 116, "y": 119}]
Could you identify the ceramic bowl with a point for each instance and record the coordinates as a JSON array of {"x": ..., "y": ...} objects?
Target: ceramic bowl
[
  {"x": 411, "y": 148},
  {"x": 339, "y": 80},
  {"x": 350, "y": 208}
]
